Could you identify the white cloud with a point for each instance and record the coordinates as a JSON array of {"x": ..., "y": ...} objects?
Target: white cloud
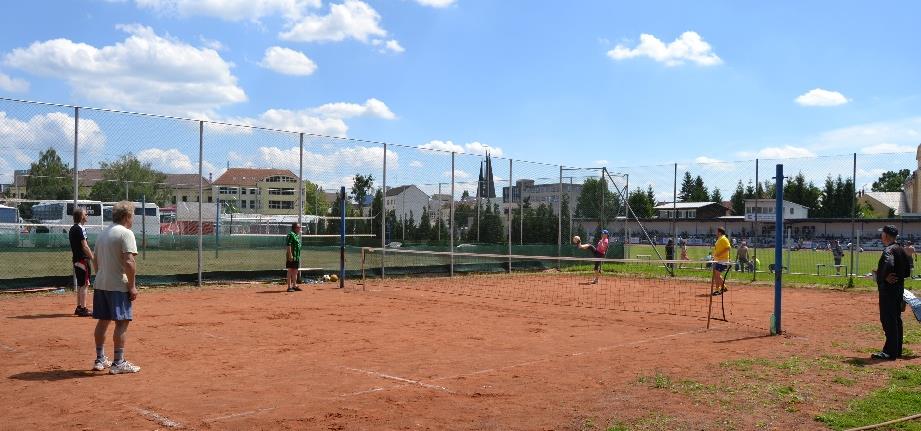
[
  {"x": 231, "y": 10},
  {"x": 459, "y": 174},
  {"x": 22, "y": 140},
  {"x": 888, "y": 149},
  {"x": 898, "y": 133},
  {"x": 821, "y": 97},
  {"x": 394, "y": 46},
  {"x": 415, "y": 164},
  {"x": 601, "y": 162},
  {"x": 436, "y": 3},
  {"x": 714, "y": 164},
  {"x": 687, "y": 47},
  {"x": 172, "y": 161},
  {"x": 352, "y": 19},
  {"x": 145, "y": 72},
  {"x": 212, "y": 44},
  {"x": 784, "y": 152},
  {"x": 350, "y": 158},
  {"x": 287, "y": 61},
  {"x": 13, "y": 85},
  {"x": 475, "y": 147},
  {"x": 371, "y": 108}
]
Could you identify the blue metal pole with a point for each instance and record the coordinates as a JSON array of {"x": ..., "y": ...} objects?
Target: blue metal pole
[
  {"x": 342, "y": 238},
  {"x": 778, "y": 246}
]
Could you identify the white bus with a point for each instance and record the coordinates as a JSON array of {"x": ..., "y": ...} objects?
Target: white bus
[
  {"x": 10, "y": 223},
  {"x": 58, "y": 216},
  {"x": 146, "y": 220}
]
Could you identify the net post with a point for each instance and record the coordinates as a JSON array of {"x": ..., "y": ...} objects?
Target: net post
[
  {"x": 778, "y": 247},
  {"x": 342, "y": 238},
  {"x": 384, "y": 214},
  {"x": 451, "y": 237},
  {"x": 675, "y": 208},
  {"x": 201, "y": 151},
  {"x": 76, "y": 177},
  {"x": 508, "y": 216}
]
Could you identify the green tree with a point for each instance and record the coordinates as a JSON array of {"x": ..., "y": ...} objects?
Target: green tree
[
  {"x": 799, "y": 191},
  {"x": 699, "y": 192},
  {"x": 738, "y": 199},
  {"x": 717, "y": 196},
  {"x": 49, "y": 178},
  {"x": 314, "y": 199},
  {"x": 424, "y": 231},
  {"x": 891, "y": 181},
  {"x": 837, "y": 198},
  {"x": 589, "y": 203},
  {"x": 128, "y": 176},
  {"x": 361, "y": 187},
  {"x": 377, "y": 211},
  {"x": 687, "y": 188},
  {"x": 642, "y": 202}
]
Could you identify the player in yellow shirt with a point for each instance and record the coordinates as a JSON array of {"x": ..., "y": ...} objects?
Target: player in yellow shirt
[{"x": 721, "y": 257}]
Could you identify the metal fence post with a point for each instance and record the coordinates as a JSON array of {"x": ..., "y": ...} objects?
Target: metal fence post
[
  {"x": 778, "y": 249},
  {"x": 675, "y": 204},
  {"x": 559, "y": 221},
  {"x": 300, "y": 185},
  {"x": 451, "y": 237},
  {"x": 76, "y": 176},
  {"x": 201, "y": 195},
  {"x": 850, "y": 281},
  {"x": 757, "y": 225},
  {"x": 384, "y": 216},
  {"x": 508, "y": 215}
]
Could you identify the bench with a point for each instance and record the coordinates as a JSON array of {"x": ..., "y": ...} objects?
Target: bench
[
  {"x": 819, "y": 266},
  {"x": 644, "y": 256}
]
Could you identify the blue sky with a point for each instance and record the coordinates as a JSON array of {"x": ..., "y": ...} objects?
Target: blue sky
[{"x": 577, "y": 84}]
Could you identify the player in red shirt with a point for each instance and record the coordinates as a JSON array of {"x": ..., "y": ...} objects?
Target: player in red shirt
[{"x": 599, "y": 250}]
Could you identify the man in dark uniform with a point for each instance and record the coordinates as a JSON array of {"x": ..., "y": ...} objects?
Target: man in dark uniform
[
  {"x": 81, "y": 258},
  {"x": 890, "y": 279}
]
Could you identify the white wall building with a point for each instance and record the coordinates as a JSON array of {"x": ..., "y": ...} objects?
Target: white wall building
[
  {"x": 408, "y": 202},
  {"x": 763, "y": 210}
]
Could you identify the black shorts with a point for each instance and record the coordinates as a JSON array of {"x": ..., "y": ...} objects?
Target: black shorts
[
  {"x": 293, "y": 264},
  {"x": 82, "y": 272},
  {"x": 597, "y": 254},
  {"x": 721, "y": 267}
]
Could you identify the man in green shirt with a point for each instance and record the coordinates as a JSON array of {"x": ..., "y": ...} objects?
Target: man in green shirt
[{"x": 293, "y": 256}]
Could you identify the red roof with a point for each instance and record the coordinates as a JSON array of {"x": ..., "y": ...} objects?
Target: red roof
[{"x": 249, "y": 176}]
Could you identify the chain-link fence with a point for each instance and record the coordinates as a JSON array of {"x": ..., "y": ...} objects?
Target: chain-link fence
[{"x": 214, "y": 201}]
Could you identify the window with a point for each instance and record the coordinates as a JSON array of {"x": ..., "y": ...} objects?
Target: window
[
  {"x": 48, "y": 212},
  {"x": 243, "y": 191},
  {"x": 281, "y": 205},
  {"x": 791, "y": 210},
  {"x": 185, "y": 198},
  {"x": 254, "y": 191},
  {"x": 252, "y": 204},
  {"x": 280, "y": 179},
  {"x": 227, "y": 190},
  {"x": 281, "y": 192},
  {"x": 210, "y": 199}
]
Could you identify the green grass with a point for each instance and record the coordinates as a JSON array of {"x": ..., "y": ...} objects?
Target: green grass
[{"x": 900, "y": 398}]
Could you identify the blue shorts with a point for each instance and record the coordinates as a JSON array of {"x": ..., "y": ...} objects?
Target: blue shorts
[
  {"x": 111, "y": 305},
  {"x": 721, "y": 267}
]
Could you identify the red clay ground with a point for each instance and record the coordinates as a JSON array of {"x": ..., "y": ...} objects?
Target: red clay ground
[{"x": 253, "y": 357}]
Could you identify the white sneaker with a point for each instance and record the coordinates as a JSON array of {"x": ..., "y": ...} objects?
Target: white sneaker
[
  {"x": 101, "y": 364},
  {"x": 124, "y": 367}
]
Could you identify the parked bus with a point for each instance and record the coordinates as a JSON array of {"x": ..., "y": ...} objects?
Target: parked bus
[
  {"x": 145, "y": 220},
  {"x": 58, "y": 216}
]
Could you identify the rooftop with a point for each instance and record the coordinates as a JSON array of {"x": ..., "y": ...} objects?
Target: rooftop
[
  {"x": 684, "y": 205},
  {"x": 248, "y": 177}
]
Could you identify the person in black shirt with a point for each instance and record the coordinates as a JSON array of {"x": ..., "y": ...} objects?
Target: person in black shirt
[
  {"x": 82, "y": 256},
  {"x": 890, "y": 273}
]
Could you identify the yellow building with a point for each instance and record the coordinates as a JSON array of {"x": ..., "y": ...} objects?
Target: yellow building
[{"x": 258, "y": 191}]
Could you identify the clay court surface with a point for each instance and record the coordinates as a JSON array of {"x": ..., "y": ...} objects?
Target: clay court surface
[{"x": 250, "y": 356}]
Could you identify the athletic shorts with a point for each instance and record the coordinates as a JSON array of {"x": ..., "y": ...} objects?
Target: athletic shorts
[
  {"x": 721, "y": 267},
  {"x": 111, "y": 305},
  {"x": 82, "y": 272},
  {"x": 295, "y": 264},
  {"x": 597, "y": 254}
]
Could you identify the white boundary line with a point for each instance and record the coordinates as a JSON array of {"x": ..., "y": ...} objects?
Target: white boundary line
[
  {"x": 158, "y": 418},
  {"x": 399, "y": 379},
  {"x": 409, "y": 382},
  {"x": 237, "y": 415}
]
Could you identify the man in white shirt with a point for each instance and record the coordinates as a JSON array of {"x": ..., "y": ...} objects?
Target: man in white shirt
[{"x": 115, "y": 287}]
